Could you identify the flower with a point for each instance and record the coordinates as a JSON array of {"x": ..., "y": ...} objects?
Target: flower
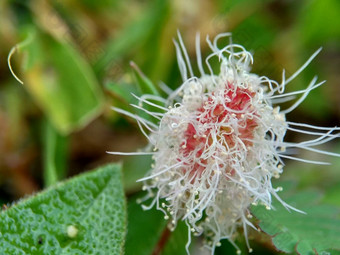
[{"x": 219, "y": 141}]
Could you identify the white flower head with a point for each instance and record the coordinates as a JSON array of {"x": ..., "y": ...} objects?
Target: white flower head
[{"x": 219, "y": 141}]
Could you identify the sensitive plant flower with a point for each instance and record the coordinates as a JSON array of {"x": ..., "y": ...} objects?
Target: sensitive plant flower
[{"x": 219, "y": 140}]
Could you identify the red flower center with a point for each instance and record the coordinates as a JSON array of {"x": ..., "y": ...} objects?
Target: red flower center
[{"x": 228, "y": 122}]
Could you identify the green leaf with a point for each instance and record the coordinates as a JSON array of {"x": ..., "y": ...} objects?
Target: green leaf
[
  {"x": 227, "y": 248},
  {"x": 319, "y": 22},
  {"x": 145, "y": 85},
  {"x": 60, "y": 81},
  {"x": 138, "y": 31},
  {"x": 144, "y": 229},
  {"x": 55, "y": 154},
  {"x": 122, "y": 95},
  {"x": 84, "y": 215},
  {"x": 134, "y": 168},
  {"x": 122, "y": 92},
  {"x": 177, "y": 241},
  {"x": 316, "y": 231},
  {"x": 332, "y": 196}
]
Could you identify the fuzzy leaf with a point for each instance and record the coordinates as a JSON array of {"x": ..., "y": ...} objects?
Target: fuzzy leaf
[
  {"x": 315, "y": 232},
  {"x": 84, "y": 215}
]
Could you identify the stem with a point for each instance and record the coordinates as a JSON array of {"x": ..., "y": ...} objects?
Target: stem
[{"x": 162, "y": 241}]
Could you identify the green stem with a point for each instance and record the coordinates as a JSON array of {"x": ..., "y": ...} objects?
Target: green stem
[{"x": 55, "y": 152}]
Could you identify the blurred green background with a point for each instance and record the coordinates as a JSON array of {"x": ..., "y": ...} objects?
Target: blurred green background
[{"x": 74, "y": 59}]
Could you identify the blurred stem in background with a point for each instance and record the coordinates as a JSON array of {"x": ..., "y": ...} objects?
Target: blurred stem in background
[{"x": 55, "y": 154}]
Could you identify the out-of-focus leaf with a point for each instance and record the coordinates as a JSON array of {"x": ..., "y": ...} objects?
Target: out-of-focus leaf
[
  {"x": 122, "y": 93},
  {"x": 316, "y": 231},
  {"x": 97, "y": 5},
  {"x": 84, "y": 215},
  {"x": 317, "y": 26},
  {"x": 247, "y": 33},
  {"x": 138, "y": 31},
  {"x": 15, "y": 104},
  {"x": 145, "y": 86},
  {"x": 177, "y": 241},
  {"x": 61, "y": 82},
  {"x": 134, "y": 168},
  {"x": 233, "y": 4},
  {"x": 144, "y": 83},
  {"x": 227, "y": 248},
  {"x": 55, "y": 153},
  {"x": 311, "y": 176},
  {"x": 319, "y": 22},
  {"x": 332, "y": 195},
  {"x": 144, "y": 229}
]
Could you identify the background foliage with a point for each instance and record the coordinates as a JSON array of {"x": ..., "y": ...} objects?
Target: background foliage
[{"x": 74, "y": 59}]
